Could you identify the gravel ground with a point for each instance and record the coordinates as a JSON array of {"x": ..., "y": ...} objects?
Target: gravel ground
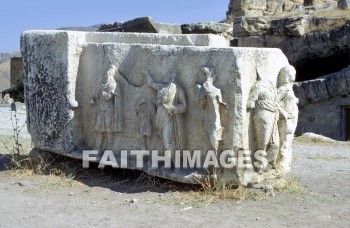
[{"x": 322, "y": 169}]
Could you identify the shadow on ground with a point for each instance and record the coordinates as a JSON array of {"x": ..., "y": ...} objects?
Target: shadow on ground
[
  {"x": 117, "y": 180},
  {"x": 5, "y": 162}
]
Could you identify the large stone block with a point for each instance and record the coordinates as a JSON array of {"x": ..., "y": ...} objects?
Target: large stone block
[{"x": 89, "y": 91}]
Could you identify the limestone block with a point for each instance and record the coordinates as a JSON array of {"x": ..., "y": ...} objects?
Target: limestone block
[
  {"x": 165, "y": 28},
  {"x": 316, "y": 90},
  {"x": 326, "y": 87},
  {"x": 251, "y": 26},
  {"x": 274, "y": 6},
  {"x": 142, "y": 24},
  {"x": 337, "y": 84},
  {"x": 205, "y": 27},
  {"x": 88, "y": 91}
]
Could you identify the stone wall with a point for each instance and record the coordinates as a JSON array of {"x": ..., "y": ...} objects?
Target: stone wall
[
  {"x": 322, "y": 102},
  {"x": 303, "y": 38},
  {"x": 251, "y": 8},
  {"x": 324, "y": 118}
]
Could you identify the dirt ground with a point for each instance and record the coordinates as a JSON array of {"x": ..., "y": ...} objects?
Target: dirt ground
[{"x": 126, "y": 200}]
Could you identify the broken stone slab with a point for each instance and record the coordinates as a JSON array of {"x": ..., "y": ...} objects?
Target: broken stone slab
[
  {"x": 205, "y": 27},
  {"x": 115, "y": 27},
  {"x": 337, "y": 83},
  {"x": 293, "y": 26},
  {"x": 89, "y": 91},
  {"x": 316, "y": 90},
  {"x": 141, "y": 24},
  {"x": 329, "y": 38},
  {"x": 251, "y": 26},
  {"x": 165, "y": 28}
]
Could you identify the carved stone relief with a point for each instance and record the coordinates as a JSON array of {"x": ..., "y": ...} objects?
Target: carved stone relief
[{"x": 160, "y": 97}]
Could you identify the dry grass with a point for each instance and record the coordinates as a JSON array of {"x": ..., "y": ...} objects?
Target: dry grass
[
  {"x": 61, "y": 172},
  {"x": 292, "y": 186},
  {"x": 220, "y": 192}
]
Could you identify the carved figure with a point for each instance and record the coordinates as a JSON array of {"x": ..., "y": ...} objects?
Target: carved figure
[
  {"x": 171, "y": 104},
  {"x": 287, "y": 126},
  {"x": 263, "y": 99},
  {"x": 108, "y": 119},
  {"x": 210, "y": 98},
  {"x": 146, "y": 111}
]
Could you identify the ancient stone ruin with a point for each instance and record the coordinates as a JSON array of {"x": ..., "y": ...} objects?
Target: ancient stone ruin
[
  {"x": 253, "y": 8},
  {"x": 314, "y": 36},
  {"x": 186, "y": 96}
]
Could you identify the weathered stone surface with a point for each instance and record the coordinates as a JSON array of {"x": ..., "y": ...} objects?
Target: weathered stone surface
[
  {"x": 142, "y": 24},
  {"x": 326, "y": 87},
  {"x": 293, "y": 26},
  {"x": 221, "y": 29},
  {"x": 301, "y": 39},
  {"x": 274, "y": 7},
  {"x": 73, "y": 79},
  {"x": 344, "y": 4},
  {"x": 115, "y": 27},
  {"x": 205, "y": 27},
  {"x": 250, "y": 8},
  {"x": 290, "y": 26},
  {"x": 165, "y": 28},
  {"x": 162, "y": 39},
  {"x": 251, "y": 26}
]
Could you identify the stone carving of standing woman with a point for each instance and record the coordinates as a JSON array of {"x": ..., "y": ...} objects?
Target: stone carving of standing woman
[
  {"x": 287, "y": 126},
  {"x": 171, "y": 104},
  {"x": 263, "y": 101},
  {"x": 210, "y": 99},
  {"x": 146, "y": 111},
  {"x": 108, "y": 116}
]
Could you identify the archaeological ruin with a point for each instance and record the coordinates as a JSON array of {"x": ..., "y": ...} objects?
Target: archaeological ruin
[
  {"x": 145, "y": 92},
  {"x": 241, "y": 88}
]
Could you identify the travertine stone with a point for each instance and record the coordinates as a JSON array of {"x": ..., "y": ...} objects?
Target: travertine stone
[{"x": 91, "y": 91}]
